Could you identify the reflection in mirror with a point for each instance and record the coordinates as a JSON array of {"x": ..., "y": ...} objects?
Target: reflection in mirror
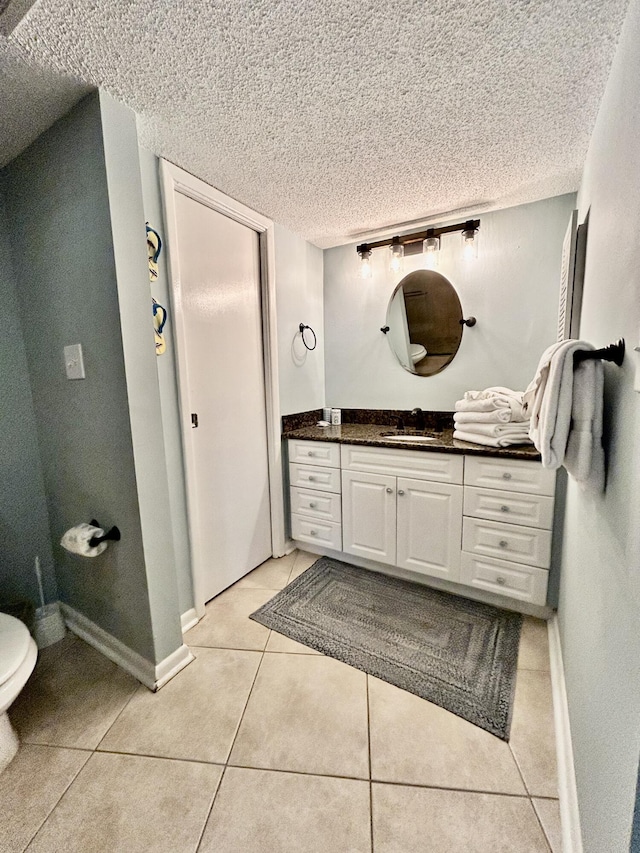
[{"x": 425, "y": 322}]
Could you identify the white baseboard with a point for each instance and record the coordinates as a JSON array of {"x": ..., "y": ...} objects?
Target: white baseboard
[
  {"x": 188, "y": 619},
  {"x": 568, "y": 793},
  {"x": 151, "y": 675}
]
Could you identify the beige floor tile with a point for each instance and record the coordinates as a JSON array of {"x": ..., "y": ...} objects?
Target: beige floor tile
[
  {"x": 131, "y": 804},
  {"x": 534, "y": 645},
  {"x": 30, "y": 787},
  {"x": 51, "y": 653},
  {"x": 306, "y": 713},
  {"x": 273, "y": 574},
  {"x": 280, "y": 643},
  {"x": 532, "y": 733},
  {"x": 426, "y": 820},
  {"x": 303, "y": 560},
  {"x": 226, "y": 623},
  {"x": 549, "y": 814},
  {"x": 195, "y": 715},
  {"x": 72, "y": 700},
  {"x": 259, "y": 811},
  {"x": 416, "y": 742}
]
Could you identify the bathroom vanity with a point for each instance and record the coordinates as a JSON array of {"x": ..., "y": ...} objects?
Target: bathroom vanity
[{"x": 472, "y": 520}]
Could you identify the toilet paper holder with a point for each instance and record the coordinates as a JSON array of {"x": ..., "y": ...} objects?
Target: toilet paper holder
[{"x": 112, "y": 535}]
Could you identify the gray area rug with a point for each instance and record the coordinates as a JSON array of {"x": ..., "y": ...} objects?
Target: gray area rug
[{"x": 457, "y": 653}]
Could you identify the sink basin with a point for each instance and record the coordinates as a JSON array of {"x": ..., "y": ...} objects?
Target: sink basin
[{"x": 407, "y": 436}]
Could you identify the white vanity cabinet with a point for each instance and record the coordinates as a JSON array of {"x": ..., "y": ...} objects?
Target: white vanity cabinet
[{"x": 478, "y": 522}]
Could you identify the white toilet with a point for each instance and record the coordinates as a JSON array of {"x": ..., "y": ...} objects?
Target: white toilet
[
  {"x": 18, "y": 653},
  {"x": 417, "y": 352}
]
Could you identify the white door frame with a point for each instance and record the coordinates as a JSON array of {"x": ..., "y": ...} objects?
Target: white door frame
[{"x": 176, "y": 180}]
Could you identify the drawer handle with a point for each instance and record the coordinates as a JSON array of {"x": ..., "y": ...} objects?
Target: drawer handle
[
  {"x": 503, "y": 543},
  {"x": 506, "y": 476},
  {"x": 313, "y": 533},
  {"x": 502, "y": 581},
  {"x": 504, "y": 509},
  {"x": 401, "y": 491},
  {"x": 310, "y": 453},
  {"x": 389, "y": 490},
  {"x": 312, "y": 505},
  {"x": 311, "y": 478}
]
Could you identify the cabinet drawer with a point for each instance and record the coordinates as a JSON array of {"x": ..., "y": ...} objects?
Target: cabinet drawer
[
  {"x": 507, "y": 541},
  {"x": 511, "y": 475},
  {"x": 324, "y": 479},
  {"x": 512, "y": 507},
  {"x": 325, "y": 533},
  {"x": 324, "y": 453},
  {"x": 437, "y": 467},
  {"x": 323, "y": 505},
  {"x": 526, "y": 583}
]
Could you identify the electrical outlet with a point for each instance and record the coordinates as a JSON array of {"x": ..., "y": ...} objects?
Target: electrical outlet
[{"x": 74, "y": 362}]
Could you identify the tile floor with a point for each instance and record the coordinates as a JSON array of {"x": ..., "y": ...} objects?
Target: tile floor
[{"x": 264, "y": 746}]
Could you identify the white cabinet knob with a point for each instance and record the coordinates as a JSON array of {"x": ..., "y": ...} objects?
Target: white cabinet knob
[
  {"x": 504, "y": 509},
  {"x": 401, "y": 491},
  {"x": 502, "y": 581},
  {"x": 503, "y": 543},
  {"x": 506, "y": 476},
  {"x": 389, "y": 490}
]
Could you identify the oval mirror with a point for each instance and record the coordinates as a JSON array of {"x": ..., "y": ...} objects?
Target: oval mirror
[{"x": 425, "y": 322}]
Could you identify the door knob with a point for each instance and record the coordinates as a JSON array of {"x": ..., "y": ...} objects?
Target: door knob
[
  {"x": 401, "y": 491},
  {"x": 389, "y": 490}
]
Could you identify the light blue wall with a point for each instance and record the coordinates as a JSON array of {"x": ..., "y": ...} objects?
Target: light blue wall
[
  {"x": 167, "y": 378},
  {"x": 77, "y": 231},
  {"x": 24, "y": 523},
  {"x": 512, "y": 289},
  {"x": 599, "y": 610}
]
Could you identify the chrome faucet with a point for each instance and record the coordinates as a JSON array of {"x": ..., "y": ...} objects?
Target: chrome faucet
[{"x": 418, "y": 414}]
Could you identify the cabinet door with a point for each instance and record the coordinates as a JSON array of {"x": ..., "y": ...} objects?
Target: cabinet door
[
  {"x": 369, "y": 516},
  {"x": 430, "y": 528}
]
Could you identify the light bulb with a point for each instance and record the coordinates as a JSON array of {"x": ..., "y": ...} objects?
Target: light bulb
[
  {"x": 431, "y": 249},
  {"x": 396, "y": 255},
  {"x": 365, "y": 263},
  {"x": 470, "y": 243}
]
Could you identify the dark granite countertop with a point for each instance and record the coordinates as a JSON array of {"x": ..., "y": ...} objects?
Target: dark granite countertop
[{"x": 372, "y": 435}]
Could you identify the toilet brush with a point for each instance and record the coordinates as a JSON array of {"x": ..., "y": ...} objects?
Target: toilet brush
[{"x": 50, "y": 627}]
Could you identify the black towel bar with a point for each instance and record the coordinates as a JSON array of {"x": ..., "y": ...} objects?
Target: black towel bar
[{"x": 614, "y": 353}]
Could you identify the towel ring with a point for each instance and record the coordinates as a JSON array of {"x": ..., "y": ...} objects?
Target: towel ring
[{"x": 303, "y": 328}]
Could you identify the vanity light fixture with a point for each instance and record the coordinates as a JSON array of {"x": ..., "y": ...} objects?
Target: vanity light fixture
[
  {"x": 426, "y": 241},
  {"x": 396, "y": 256},
  {"x": 431, "y": 248},
  {"x": 365, "y": 261}
]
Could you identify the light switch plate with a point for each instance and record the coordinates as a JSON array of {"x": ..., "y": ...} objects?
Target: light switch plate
[{"x": 74, "y": 362}]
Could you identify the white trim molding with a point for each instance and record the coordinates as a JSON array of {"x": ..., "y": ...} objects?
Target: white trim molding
[
  {"x": 568, "y": 793},
  {"x": 177, "y": 181},
  {"x": 151, "y": 675},
  {"x": 189, "y": 619}
]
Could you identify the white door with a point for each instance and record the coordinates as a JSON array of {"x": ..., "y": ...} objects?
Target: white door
[
  {"x": 429, "y": 528},
  {"x": 369, "y": 516},
  {"x": 219, "y": 287}
]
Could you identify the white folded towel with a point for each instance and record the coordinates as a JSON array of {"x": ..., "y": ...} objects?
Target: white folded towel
[
  {"x": 492, "y": 399},
  {"x": 76, "y": 540},
  {"x": 497, "y": 416},
  {"x": 566, "y": 413},
  {"x": 491, "y": 440},
  {"x": 498, "y": 430}
]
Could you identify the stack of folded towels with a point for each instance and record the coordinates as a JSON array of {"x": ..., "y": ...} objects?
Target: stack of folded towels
[{"x": 494, "y": 417}]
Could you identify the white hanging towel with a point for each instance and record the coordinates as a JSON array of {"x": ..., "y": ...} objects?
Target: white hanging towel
[
  {"x": 566, "y": 413},
  {"x": 76, "y": 540}
]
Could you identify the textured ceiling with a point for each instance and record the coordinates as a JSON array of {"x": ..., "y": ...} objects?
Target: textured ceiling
[{"x": 334, "y": 117}]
